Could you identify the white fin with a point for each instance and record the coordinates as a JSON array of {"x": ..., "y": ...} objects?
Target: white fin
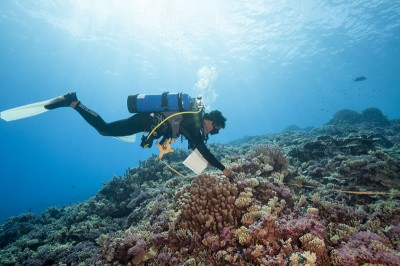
[
  {"x": 26, "y": 110},
  {"x": 131, "y": 138}
]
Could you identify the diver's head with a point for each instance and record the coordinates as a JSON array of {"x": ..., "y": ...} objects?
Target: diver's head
[{"x": 213, "y": 122}]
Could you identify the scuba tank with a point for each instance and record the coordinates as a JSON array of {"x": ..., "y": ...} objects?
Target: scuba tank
[{"x": 166, "y": 102}]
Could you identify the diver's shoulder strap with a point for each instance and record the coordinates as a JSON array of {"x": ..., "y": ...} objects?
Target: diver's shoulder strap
[{"x": 174, "y": 121}]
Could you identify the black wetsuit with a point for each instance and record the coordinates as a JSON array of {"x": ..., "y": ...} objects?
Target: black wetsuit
[{"x": 190, "y": 128}]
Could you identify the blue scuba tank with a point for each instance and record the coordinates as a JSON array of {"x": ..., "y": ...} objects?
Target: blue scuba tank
[{"x": 146, "y": 103}]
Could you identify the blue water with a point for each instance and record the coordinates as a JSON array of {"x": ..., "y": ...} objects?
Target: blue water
[{"x": 265, "y": 64}]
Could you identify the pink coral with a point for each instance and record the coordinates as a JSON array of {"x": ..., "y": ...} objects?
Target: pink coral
[
  {"x": 365, "y": 247},
  {"x": 293, "y": 227},
  {"x": 228, "y": 235},
  {"x": 394, "y": 236},
  {"x": 137, "y": 249}
]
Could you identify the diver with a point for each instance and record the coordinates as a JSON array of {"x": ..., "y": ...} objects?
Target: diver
[{"x": 195, "y": 128}]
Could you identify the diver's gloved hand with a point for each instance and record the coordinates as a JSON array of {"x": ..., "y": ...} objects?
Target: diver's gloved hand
[
  {"x": 146, "y": 142},
  {"x": 229, "y": 174}
]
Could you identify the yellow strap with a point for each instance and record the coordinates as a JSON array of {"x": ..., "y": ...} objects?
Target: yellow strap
[
  {"x": 365, "y": 192},
  {"x": 335, "y": 190},
  {"x": 164, "y": 149},
  {"x": 172, "y": 169},
  {"x": 354, "y": 192}
]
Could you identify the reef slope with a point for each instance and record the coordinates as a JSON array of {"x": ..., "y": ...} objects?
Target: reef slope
[{"x": 322, "y": 196}]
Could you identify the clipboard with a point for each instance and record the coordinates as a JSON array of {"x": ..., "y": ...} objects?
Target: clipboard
[{"x": 196, "y": 162}]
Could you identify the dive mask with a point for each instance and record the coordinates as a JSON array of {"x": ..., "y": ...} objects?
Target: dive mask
[{"x": 215, "y": 130}]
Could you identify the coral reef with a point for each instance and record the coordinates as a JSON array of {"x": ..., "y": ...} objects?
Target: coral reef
[
  {"x": 370, "y": 115},
  {"x": 322, "y": 196},
  {"x": 345, "y": 116}
]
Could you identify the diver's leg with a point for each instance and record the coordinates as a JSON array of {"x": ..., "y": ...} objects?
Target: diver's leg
[{"x": 132, "y": 125}]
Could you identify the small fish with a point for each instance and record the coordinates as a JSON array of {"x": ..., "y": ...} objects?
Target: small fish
[{"x": 359, "y": 79}]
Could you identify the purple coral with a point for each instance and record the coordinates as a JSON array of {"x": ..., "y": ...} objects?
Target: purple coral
[
  {"x": 338, "y": 213},
  {"x": 157, "y": 239},
  {"x": 163, "y": 258},
  {"x": 283, "y": 192},
  {"x": 137, "y": 249}
]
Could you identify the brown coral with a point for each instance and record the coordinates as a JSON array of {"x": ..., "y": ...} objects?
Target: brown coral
[
  {"x": 341, "y": 232},
  {"x": 244, "y": 198},
  {"x": 140, "y": 258},
  {"x": 207, "y": 205},
  {"x": 250, "y": 217}
]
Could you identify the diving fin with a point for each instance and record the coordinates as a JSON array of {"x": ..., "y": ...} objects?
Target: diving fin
[
  {"x": 130, "y": 138},
  {"x": 27, "y": 110}
]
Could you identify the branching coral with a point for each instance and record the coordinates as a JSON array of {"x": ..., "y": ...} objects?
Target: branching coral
[
  {"x": 262, "y": 160},
  {"x": 310, "y": 258},
  {"x": 243, "y": 235},
  {"x": 313, "y": 243},
  {"x": 244, "y": 199},
  {"x": 340, "y": 232},
  {"x": 270, "y": 155}
]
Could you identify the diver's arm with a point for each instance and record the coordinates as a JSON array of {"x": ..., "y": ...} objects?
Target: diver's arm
[
  {"x": 202, "y": 148},
  {"x": 212, "y": 160},
  {"x": 193, "y": 134}
]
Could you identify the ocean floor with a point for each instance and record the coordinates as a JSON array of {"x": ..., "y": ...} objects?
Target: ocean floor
[{"x": 327, "y": 195}]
